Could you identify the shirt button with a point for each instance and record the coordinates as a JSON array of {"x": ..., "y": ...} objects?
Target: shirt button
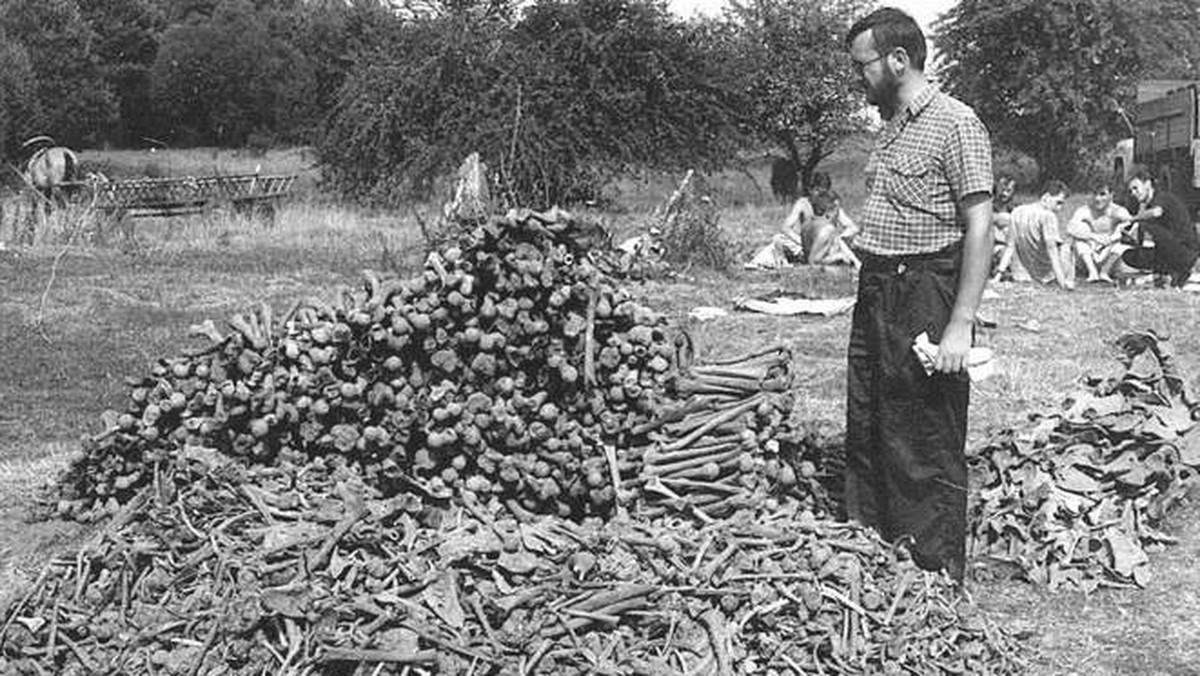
[{"x": 900, "y": 268}]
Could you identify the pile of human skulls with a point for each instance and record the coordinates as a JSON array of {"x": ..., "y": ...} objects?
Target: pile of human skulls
[
  {"x": 512, "y": 369},
  {"x": 222, "y": 568},
  {"x": 1076, "y": 501}
]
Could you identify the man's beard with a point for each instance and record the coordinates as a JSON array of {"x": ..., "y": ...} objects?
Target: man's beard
[{"x": 885, "y": 93}]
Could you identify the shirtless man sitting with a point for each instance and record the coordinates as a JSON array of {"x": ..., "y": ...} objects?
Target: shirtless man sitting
[
  {"x": 824, "y": 236},
  {"x": 816, "y": 224},
  {"x": 1095, "y": 231}
]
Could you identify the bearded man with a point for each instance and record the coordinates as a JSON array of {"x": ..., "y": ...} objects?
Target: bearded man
[{"x": 925, "y": 243}]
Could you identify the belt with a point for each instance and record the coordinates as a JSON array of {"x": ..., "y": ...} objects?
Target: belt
[{"x": 942, "y": 260}]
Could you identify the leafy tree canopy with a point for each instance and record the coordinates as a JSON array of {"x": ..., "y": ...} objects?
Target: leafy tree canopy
[
  {"x": 798, "y": 85},
  {"x": 60, "y": 46},
  {"x": 226, "y": 77},
  {"x": 557, "y": 103},
  {"x": 127, "y": 34},
  {"x": 20, "y": 116},
  {"x": 331, "y": 34},
  {"x": 1047, "y": 77},
  {"x": 1164, "y": 34}
]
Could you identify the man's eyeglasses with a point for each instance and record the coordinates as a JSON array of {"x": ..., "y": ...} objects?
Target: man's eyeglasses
[{"x": 862, "y": 65}]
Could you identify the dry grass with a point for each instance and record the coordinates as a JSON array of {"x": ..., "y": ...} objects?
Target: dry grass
[
  {"x": 319, "y": 230},
  {"x": 19, "y": 480},
  {"x": 113, "y": 310}
]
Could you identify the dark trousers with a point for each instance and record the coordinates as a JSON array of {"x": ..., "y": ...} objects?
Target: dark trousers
[
  {"x": 1168, "y": 256},
  {"x": 906, "y": 472}
]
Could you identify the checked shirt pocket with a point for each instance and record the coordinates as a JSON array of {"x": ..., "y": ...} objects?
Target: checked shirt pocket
[{"x": 912, "y": 179}]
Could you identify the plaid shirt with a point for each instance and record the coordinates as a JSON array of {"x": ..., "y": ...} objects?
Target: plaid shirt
[{"x": 928, "y": 157}]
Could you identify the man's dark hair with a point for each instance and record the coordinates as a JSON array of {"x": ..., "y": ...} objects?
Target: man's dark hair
[
  {"x": 891, "y": 28},
  {"x": 1055, "y": 187},
  {"x": 1142, "y": 174},
  {"x": 823, "y": 202},
  {"x": 1000, "y": 201},
  {"x": 1101, "y": 186}
]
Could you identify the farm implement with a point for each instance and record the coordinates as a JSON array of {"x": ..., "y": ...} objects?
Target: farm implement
[{"x": 248, "y": 194}]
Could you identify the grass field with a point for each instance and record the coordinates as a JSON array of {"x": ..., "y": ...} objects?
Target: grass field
[{"x": 75, "y": 320}]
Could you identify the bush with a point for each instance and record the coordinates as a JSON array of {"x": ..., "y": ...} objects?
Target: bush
[
  {"x": 691, "y": 233},
  {"x": 1021, "y": 167},
  {"x": 557, "y": 104}
]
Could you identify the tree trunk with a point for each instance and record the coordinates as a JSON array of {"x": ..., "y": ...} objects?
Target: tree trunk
[
  {"x": 793, "y": 151},
  {"x": 785, "y": 172},
  {"x": 816, "y": 153}
]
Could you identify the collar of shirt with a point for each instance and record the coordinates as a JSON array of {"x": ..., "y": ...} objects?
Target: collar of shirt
[{"x": 914, "y": 108}]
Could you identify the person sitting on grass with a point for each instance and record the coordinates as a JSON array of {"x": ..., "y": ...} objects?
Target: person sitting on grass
[
  {"x": 1036, "y": 240},
  {"x": 1095, "y": 231},
  {"x": 824, "y": 236},
  {"x": 1164, "y": 239},
  {"x": 789, "y": 238},
  {"x": 1003, "y": 191},
  {"x": 787, "y": 245}
]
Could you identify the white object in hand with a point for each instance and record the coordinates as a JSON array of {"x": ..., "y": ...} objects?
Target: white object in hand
[{"x": 981, "y": 361}]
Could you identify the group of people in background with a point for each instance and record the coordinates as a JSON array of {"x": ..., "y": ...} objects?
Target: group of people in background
[
  {"x": 1151, "y": 234},
  {"x": 1109, "y": 241}
]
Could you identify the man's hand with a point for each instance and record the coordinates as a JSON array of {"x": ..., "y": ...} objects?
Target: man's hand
[
  {"x": 1145, "y": 214},
  {"x": 954, "y": 347},
  {"x": 1128, "y": 232}
]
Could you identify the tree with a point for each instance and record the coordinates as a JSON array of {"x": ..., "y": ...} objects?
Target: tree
[
  {"x": 220, "y": 79},
  {"x": 797, "y": 82},
  {"x": 178, "y": 11},
  {"x": 331, "y": 34},
  {"x": 412, "y": 108},
  {"x": 619, "y": 86},
  {"x": 60, "y": 46},
  {"x": 1047, "y": 77},
  {"x": 20, "y": 116},
  {"x": 127, "y": 34},
  {"x": 558, "y": 104},
  {"x": 1164, "y": 36}
]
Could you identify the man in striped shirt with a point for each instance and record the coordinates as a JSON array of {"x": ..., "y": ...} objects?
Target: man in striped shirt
[
  {"x": 1037, "y": 241},
  {"x": 925, "y": 243}
]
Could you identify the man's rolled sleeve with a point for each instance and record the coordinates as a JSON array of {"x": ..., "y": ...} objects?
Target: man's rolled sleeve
[{"x": 968, "y": 158}]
